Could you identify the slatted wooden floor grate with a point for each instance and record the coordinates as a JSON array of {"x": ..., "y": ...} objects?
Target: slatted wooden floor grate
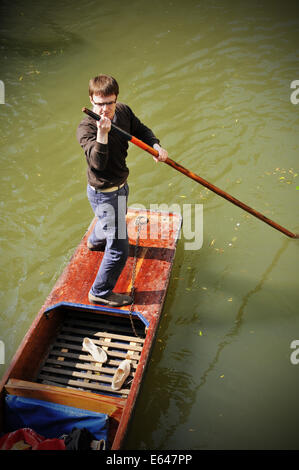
[{"x": 67, "y": 365}]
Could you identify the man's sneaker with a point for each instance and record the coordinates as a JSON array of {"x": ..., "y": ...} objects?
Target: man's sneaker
[
  {"x": 99, "y": 247},
  {"x": 112, "y": 299}
]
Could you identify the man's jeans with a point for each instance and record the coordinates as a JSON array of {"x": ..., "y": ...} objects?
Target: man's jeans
[{"x": 110, "y": 209}]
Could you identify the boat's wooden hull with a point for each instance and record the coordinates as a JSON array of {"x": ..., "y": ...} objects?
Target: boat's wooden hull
[{"x": 50, "y": 364}]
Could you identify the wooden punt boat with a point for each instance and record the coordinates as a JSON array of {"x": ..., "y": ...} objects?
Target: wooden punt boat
[{"x": 50, "y": 364}]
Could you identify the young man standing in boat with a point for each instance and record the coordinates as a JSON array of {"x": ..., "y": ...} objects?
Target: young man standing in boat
[{"x": 107, "y": 188}]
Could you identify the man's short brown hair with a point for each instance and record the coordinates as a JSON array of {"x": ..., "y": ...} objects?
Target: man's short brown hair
[{"x": 104, "y": 85}]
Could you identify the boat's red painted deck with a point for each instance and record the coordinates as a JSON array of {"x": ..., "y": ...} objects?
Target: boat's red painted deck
[{"x": 156, "y": 251}]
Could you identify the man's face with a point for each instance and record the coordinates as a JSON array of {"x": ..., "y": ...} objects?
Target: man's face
[{"x": 104, "y": 105}]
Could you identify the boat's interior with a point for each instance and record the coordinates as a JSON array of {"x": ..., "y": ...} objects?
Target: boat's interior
[{"x": 53, "y": 366}]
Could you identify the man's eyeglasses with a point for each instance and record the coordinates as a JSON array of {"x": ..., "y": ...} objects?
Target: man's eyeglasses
[{"x": 107, "y": 103}]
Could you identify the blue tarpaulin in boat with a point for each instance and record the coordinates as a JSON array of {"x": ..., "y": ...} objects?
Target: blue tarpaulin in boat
[{"x": 50, "y": 419}]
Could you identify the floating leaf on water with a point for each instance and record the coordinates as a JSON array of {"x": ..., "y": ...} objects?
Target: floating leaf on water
[
  {"x": 212, "y": 242},
  {"x": 230, "y": 299},
  {"x": 221, "y": 376},
  {"x": 200, "y": 333},
  {"x": 234, "y": 239},
  {"x": 282, "y": 178},
  {"x": 21, "y": 78}
]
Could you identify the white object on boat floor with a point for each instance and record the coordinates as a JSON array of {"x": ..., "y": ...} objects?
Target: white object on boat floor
[
  {"x": 97, "y": 352},
  {"x": 98, "y": 445},
  {"x": 121, "y": 374}
]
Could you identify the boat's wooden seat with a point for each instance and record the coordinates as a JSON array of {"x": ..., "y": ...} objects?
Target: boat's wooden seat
[{"x": 66, "y": 396}]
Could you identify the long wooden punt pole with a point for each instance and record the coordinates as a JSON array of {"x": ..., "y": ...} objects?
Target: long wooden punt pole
[{"x": 196, "y": 178}]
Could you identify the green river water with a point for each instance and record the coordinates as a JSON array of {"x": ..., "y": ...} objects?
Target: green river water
[{"x": 213, "y": 80}]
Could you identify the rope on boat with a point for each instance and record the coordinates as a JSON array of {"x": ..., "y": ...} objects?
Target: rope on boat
[{"x": 140, "y": 220}]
